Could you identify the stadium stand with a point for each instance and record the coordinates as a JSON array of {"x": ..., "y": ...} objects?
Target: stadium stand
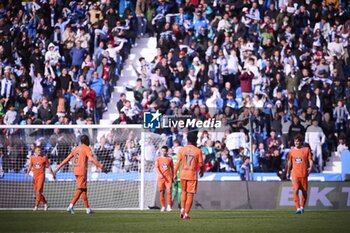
[{"x": 276, "y": 68}]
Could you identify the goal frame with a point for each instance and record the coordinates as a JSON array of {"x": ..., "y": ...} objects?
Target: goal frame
[{"x": 71, "y": 126}]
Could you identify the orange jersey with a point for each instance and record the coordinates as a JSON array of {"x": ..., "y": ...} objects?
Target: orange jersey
[
  {"x": 39, "y": 163},
  {"x": 165, "y": 166},
  {"x": 300, "y": 161},
  {"x": 80, "y": 154},
  {"x": 191, "y": 159}
]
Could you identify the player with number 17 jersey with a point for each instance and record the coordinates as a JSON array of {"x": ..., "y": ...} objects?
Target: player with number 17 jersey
[{"x": 191, "y": 158}]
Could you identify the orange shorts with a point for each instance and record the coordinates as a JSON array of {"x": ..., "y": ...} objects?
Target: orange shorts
[
  {"x": 164, "y": 184},
  {"x": 300, "y": 183},
  {"x": 39, "y": 184},
  {"x": 81, "y": 182},
  {"x": 189, "y": 186}
]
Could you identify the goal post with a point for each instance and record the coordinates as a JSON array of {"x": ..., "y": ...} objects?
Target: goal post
[{"x": 126, "y": 151}]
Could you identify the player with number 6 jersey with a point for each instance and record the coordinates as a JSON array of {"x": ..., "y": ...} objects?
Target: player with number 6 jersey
[
  {"x": 191, "y": 160},
  {"x": 81, "y": 155}
]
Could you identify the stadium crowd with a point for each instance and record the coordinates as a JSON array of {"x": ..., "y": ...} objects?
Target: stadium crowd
[
  {"x": 272, "y": 69},
  {"x": 60, "y": 59},
  {"x": 266, "y": 69}
]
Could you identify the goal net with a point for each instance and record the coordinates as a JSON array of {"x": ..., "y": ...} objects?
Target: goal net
[{"x": 127, "y": 151}]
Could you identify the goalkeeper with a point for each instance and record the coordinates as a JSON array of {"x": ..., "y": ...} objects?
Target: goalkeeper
[
  {"x": 176, "y": 183},
  {"x": 80, "y": 155}
]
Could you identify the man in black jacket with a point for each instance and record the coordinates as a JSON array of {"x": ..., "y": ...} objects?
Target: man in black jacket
[{"x": 295, "y": 129}]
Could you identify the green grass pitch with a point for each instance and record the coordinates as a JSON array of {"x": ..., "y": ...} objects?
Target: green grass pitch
[{"x": 240, "y": 221}]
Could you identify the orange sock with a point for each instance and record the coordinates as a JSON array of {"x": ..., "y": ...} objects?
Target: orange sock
[
  {"x": 162, "y": 198},
  {"x": 183, "y": 199},
  {"x": 189, "y": 202},
  {"x": 43, "y": 199},
  {"x": 37, "y": 199},
  {"x": 296, "y": 200},
  {"x": 76, "y": 196},
  {"x": 169, "y": 198},
  {"x": 303, "y": 199},
  {"x": 85, "y": 199}
]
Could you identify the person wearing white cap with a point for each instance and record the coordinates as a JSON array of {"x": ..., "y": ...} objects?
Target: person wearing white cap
[
  {"x": 8, "y": 68},
  {"x": 244, "y": 18},
  {"x": 196, "y": 65},
  {"x": 52, "y": 56}
]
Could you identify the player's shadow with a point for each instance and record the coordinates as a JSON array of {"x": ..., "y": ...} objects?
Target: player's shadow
[{"x": 197, "y": 205}]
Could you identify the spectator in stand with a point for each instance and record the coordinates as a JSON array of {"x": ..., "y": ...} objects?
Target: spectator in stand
[
  {"x": 246, "y": 82},
  {"x": 11, "y": 118},
  {"x": 316, "y": 138},
  {"x": 140, "y": 10},
  {"x": 245, "y": 169},
  {"x": 341, "y": 115},
  {"x": 341, "y": 147},
  {"x": 89, "y": 95},
  {"x": 161, "y": 103},
  {"x": 7, "y": 86},
  {"x": 273, "y": 143},
  {"x": 52, "y": 56},
  {"x": 295, "y": 129},
  {"x": 121, "y": 101},
  {"x": 328, "y": 127},
  {"x": 77, "y": 54},
  {"x": 225, "y": 162},
  {"x": 210, "y": 153},
  {"x": 83, "y": 38},
  {"x": 97, "y": 84},
  {"x": 275, "y": 161},
  {"x": 68, "y": 39},
  {"x": 45, "y": 112}
]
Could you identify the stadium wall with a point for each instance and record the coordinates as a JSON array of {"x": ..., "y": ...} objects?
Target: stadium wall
[
  {"x": 269, "y": 195},
  {"x": 211, "y": 195}
]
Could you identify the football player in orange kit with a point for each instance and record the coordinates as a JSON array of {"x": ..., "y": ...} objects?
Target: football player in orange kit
[
  {"x": 191, "y": 160},
  {"x": 300, "y": 161},
  {"x": 164, "y": 167},
  {"x": 80, "y": 155},
  {"x": 38, "y": 163}
]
